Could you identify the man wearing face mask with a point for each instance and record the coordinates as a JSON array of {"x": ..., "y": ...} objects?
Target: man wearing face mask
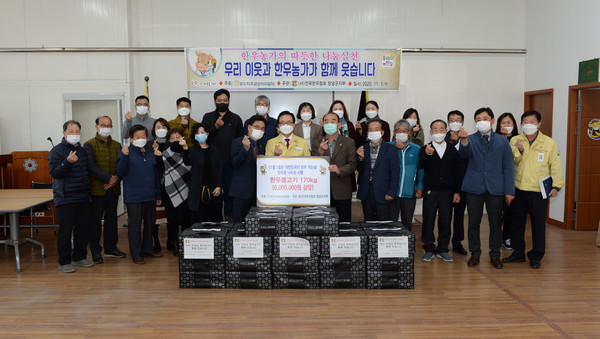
[
  {"x": 184, "y": 121},
  {"x": 342, "y": 165},
  {"x": 68, "y": 165},
  {"x": 378, "y": 185},
  {"x": 102, "y": 154},
  {"x": 142, "y": 107},
  {"x": 410, "y": 184},
  {"x": 489, "y": 180},
  {"x": 262, "y": 106},
  {"x": 287, "y": 144},
  {"x": 536, "y": 157},
  {"x": 457, "y": 213},
  {"x": 225, "y": 126},
  {"x": 441, "y": 184},
  {"x": 136, "y": 164},
  {"x": 244, "y": 151}
]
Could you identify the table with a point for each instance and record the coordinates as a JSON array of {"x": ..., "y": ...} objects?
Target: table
[{"x": 14, "y": 201}]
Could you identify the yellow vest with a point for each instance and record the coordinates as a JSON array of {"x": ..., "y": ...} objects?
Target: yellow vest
[
  {"x": 298, "y": 147},
  {"x": 537, "y": 161}
]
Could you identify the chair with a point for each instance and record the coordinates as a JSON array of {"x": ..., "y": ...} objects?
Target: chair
[{"x": 41, "y": 207}]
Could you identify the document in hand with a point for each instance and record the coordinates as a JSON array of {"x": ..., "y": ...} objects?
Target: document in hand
[{"x": 546, "y": 186}]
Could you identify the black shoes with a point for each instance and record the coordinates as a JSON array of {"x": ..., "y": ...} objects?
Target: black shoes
[
  {"x": 535, "y": 264},
  {"x": 97, "y": 258},
  {"x": 459, "y": 249},
  {"x": 511, "y": 258},
  {"x": 115, "y": 253}
]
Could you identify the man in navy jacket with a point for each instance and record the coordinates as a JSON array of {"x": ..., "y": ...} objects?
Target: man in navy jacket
[
  {"x": 380, "y": 170},
  {"x": 71, "y": 188},
  {"x": 490, "y": 179},
  {"x": 244, "y": 151}
]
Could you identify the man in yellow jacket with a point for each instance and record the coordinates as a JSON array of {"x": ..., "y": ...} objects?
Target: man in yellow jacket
[
  {"x": 286, "y": 143},
  {"x": 184, "y": 121},
  {"x": 536, "y": 157}
]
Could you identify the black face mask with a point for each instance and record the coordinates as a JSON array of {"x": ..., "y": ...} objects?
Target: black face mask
[
  {"x": 176, "y": 147},
  {"x": 222, "y": 107}
]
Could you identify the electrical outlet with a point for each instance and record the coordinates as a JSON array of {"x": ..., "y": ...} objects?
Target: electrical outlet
[{"x": 39, "y": 214}]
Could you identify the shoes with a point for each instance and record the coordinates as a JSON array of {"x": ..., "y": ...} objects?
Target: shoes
[
  {"x": 445, "y": 256},
  {"x": 496, "y": 262},
  {"x": 83, "y": 263},
  {"x": 173, "y": 246},
  {"x": 97, "y": 258},
  {"x": 459, "y": 249},
  {"x": 68, "y": 268},
  {"x": 427, "y": 256},
  {"x": 139, "y": 261},
  {"x": 115, "y": 253},
  {"x": 153, "y": 254},
  {"x": 535, "y": 263},
  {"x": 513, "y": 258},
  {"x": 506, "y": 244},
  {"x": 473, "y": 261}
]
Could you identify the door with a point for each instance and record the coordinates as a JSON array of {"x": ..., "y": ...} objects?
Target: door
[
  {"x": 541, "y": 101},
  {"x": 587, "y": 199}
]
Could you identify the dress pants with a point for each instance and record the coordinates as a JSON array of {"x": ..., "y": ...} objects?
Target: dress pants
[
  {"x": 140, "y": 241},
  {"x": 493, "y": 206},
  {"x": 374, "y": 211},
  {"x": 403, "y": 209},
  {"x": 439, "y": 203},
  {"x": 241, "y": 208},
  {"x": 343, "y": 209},
  {"x": 176, "y": 217},
  {"x": 528, "y": 202},
  {"x": 227, "y": 177},
  {"x": 507, "y": 222},
  {"x": 104, "y": 206},
  {"x": 73, "y": 219},
  {"x": 458, "y": 226}
]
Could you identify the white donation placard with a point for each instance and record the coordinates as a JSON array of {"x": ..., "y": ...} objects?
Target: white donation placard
[
  {"x": 294, "y": 247},
  {"x": 392, "y": 247},
  {"x": 248, "y": 247},
  {"x": 344, "y": 247},
  {"x": 292, "y": 181},
  {"x": 198, "y": 248}
]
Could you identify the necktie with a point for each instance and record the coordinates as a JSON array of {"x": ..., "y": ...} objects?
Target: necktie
[
  {"x": 287, "y": 142},
  {"x": 486, "y": 138}
]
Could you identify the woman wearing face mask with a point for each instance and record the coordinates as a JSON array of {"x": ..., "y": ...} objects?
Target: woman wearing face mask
[
  {"x": 204, "y": 197},
  {"x": 71, "y": 188},
  {"x": 136, "y": 164},
  {"x": 347, "y": 128},
  {"x": 372, "y": 112},
  {"x": 176, "y": 177},
  {"x": 184, "y": 121},
  {"x": 416, "y": 133},
  {"x": 307, "y": 129},
  {"x": 159, "y": 132}
]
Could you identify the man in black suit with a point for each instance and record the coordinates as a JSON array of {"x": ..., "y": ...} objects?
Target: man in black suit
[
  {"x": 441, "y": 184},
  {"x": 244, "y": 151}
]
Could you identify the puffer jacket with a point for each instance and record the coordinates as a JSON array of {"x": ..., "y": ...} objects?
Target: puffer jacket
[{"x": 70, "y": 182}]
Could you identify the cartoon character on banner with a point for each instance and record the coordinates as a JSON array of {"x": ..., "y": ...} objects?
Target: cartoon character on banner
[
  {"x": 205, "y": 64},
  {"x": 594, "y": 129}
]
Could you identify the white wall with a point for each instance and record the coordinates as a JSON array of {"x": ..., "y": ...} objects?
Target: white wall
[{"x": 560, "y": 34}]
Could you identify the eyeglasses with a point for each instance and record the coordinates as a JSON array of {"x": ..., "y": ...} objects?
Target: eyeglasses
[
  {"x": 258, "y": 127},
  {"x": 289, "y": 123}
]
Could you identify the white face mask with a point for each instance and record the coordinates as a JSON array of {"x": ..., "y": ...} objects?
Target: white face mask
[
  {"x": 412, "y": 122},
  {"x": 286, "y": 129},
  {"x": 402, "y": 137},
  {"x": 483, "y": 126},
  {"x": 371, "y": 114},
  {"x": 529, "y": 129},
  {"x": 139, "y": 143},
  {"x": 105, "y": 131},
  {"x": 73, "y": 139},
  {"x": 374, "y": 136},
  {"x": 438, "y": 137},
  {"x": 184, "y": 111},
  {"x": 455, "y": 126},
  {"x": 306, "y": 116},
  {"x": 161, "y": 133},
  {"x": 141, "y": 110},
  {"x": 261, "y": 109},
  {"x": 508, "y": 129},
  {"x": 339, "y": 113},
  {"x": 257, "y": 134}
]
